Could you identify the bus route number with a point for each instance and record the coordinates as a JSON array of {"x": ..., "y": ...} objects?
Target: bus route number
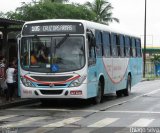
[{"x": 35, "y": 28}]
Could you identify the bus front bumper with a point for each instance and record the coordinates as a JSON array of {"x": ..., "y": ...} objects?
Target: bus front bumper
[{"x": 71, "y": 92}]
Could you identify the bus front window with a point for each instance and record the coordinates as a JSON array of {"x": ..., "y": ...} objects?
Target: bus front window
[{"x": 42, "y": 54}]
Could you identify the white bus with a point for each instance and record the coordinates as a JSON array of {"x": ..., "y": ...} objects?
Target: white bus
[{"x": 79, "y": 59}]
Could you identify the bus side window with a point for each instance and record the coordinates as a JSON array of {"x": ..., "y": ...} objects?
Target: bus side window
[
  {"x": 99, "y": 49},
  {"x": 114, "y": 44},
  {"x": 118, "y": 46},
  {"x": 106, "y": 44},
  {"x": 140, "y": 51},
  {"x": 127, "y": 46},
  {"x": 138, "y": 48},
  {"x": 121, "y": 41},
  {"x": 133, "y": 47},
  {"x": 91, "y": 52}
]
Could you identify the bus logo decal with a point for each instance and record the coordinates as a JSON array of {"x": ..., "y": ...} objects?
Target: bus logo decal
[{"x": 51, "y": 85}]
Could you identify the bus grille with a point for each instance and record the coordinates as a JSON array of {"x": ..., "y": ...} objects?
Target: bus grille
[
  {"x": 51, "y": 92},
  {"x": 51, "y": 78},
  {"x": 47, "y": 85}
]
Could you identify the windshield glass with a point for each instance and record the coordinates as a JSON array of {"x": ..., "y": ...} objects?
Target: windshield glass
[{"x": 52, "y": 54}]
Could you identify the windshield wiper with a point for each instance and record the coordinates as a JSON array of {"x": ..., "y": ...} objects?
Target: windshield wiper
[{"x": 62, "y": 41}]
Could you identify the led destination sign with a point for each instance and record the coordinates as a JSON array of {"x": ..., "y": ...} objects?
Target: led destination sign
[{"x": 52, "y": 28}]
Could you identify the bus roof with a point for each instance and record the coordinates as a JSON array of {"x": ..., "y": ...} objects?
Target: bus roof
[{"x": 88, "y": 24}]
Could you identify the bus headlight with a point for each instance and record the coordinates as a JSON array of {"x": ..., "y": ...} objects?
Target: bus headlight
[
  {"x": 26, "y": 82},
  {"x": 77, "y": 82}
]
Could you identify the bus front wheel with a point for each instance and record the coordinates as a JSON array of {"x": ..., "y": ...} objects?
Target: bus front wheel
[{"x": 98, "y": 99}]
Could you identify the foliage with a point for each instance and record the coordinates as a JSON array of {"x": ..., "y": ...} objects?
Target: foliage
[
  {"x": 102, "y": 10},
  {"x": 156, "y": 59},
  {"x": 48, "y": 9},
  {"x": 98, "y": 11},
  {"x": 58, "y": 1},
  {"x": 2, "y": 15}
]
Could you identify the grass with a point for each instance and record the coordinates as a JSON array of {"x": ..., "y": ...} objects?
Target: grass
[{"x": 151, "y": 77}]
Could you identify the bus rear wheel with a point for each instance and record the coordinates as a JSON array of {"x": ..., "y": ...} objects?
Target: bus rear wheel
[
  {"x": 119, "y": 93},
  {"x": 99, "y": 98},
  {"x": 127, "y": 91}
]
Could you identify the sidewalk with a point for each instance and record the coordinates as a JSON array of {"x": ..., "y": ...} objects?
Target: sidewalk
[{"x": 17, "y": 102}]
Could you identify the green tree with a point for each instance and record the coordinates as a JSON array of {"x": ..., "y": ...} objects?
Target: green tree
[
  {"x": 156, "y": 59},
  {"x": 51, "y": 10},
  {"x": 2, "y": 15},
  {"x": 58, "y": 1},
  {"x": 102, "y": 10}
]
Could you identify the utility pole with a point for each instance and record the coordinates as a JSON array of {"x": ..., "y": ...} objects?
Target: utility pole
[{"x": 144, "y": 52}]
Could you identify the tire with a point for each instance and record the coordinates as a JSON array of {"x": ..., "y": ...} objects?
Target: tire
[
  {"x": 99, "y": 98},
  {"x": 127, "y": 91},
  {"x": 119, "y": 93}
]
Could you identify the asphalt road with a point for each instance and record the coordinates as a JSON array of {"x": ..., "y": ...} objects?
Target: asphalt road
[{"x": 139, "y": 112}]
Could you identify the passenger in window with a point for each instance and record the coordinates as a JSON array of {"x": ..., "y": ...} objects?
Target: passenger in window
[
  {"x": 41, "y": 55},
  {"x": 33, "y": 58}
]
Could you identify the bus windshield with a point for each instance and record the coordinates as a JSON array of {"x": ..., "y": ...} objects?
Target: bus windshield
[{"x": 52, "y": 54}]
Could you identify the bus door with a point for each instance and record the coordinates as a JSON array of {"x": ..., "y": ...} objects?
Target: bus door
[{"x": 19, "y": 43}]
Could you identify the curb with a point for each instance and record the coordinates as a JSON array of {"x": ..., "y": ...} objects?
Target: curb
[
  {"x": 19, "y": 102},
  {"x": 151, "y": 79}
]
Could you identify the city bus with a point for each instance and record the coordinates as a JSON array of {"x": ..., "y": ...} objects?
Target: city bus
[{"x": 77, "y": 59}]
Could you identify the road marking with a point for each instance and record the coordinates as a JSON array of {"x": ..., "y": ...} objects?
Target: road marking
[
  {"x": 104, "y": 122},
  {"x": 152, "y": 92},
  {"x": 40, "y": 130},
  {"x": 46, "y": 109},
  {"x": 52, "y": 126},
  {"x": 63, "y": 122},
  {"x": 7, "y": 116},
  {"x": 23, "y": 122},
  {"x": 142, "y": 123},
  {"x": 133, "y": 112},
  {"x": 94, "y": 111},
  {"x": 84, "y": 130}
]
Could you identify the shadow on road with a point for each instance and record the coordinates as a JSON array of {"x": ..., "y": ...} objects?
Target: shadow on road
[{"x": 73, "y": 104}]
